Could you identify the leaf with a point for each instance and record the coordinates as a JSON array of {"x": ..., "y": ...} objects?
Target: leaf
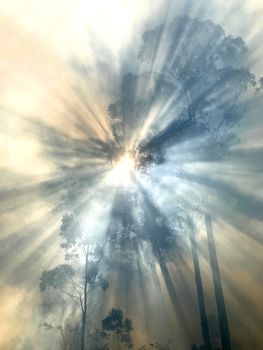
[{"x": 56, "y": 278}]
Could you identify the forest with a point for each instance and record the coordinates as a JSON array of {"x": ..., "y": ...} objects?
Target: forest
[
  {"x": 131, "y": 176},
  {"x": 192, "y": 88}
]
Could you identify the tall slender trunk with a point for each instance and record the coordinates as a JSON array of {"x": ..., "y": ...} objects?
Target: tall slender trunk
[
  {"x": 199, "y": 287},
  {"x": 84, "y": 307},
  {"x": 118, "y": 341},
  {"x": 220, "y": 302}
]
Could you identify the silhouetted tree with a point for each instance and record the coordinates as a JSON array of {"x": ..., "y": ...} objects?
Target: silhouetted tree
[
  {"x": 79, "y": 280},
  {"x": 119, "y": 326},
  {"x": 220, "y": 302},
  {"x": 155, "y": 346},
  {"x": 199, "y": 287},
  {"x": 196, "y": 83}
]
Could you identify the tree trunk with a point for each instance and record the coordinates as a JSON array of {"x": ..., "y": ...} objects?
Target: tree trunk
[
  {"x": 199, "y": 287},
  {"x": 84, "y": 308},
  {"x": 220, "y": 302}
]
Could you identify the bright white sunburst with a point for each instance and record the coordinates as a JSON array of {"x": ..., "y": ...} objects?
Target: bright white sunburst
[{"x": 123, "y": 169}]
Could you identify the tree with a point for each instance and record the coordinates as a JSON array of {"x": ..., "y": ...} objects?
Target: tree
[
  {"x": 199, "y": 287},
  {"x": 196, "y": 83},
  {"x": 220, "y": 302},
  {"x": 155, "y": 346},
  {"x": 115, "y": 324},
  {"x": 79, "y": 280}
]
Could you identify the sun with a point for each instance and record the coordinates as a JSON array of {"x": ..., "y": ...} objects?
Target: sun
[{"x": 123, "y": 171}]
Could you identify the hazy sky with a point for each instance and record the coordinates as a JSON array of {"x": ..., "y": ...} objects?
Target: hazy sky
[{"x": 39, "y": 41}]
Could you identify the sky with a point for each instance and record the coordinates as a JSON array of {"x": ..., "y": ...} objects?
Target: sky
[{"x": 61, "y": 65}]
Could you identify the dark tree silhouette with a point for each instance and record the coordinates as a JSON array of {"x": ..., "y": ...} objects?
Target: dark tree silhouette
[
  {"x": 220, "y": 303},
  {"x": 199, "y": 287},
  {"x": 79, "y": 280},
  {"x": 198, "y": 82},
  {"x": 119, "y": 326},
  {"x": 195, "y": 84}
]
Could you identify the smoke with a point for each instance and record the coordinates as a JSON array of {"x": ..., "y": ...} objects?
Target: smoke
[{"x": 62, "y": 65}]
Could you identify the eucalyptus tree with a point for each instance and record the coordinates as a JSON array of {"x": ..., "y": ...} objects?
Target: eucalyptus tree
[
  {"x": 115, "y": 325},
  {"x": 78, "y": 279},
  {"x": 155, "y": 345},
  {"x": 199, "y": 287},
  {"x": 221, "y": 308},
  {"x": 209, "y": 72},
  {"x": 194, "y": 84},
  {"x": 194, "y": 81}
]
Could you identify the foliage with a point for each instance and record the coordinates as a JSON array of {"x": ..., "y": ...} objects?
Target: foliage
[
  {"x": 195, "y": 83},
  {"x": 56, "y": 278},
  {"x": 115, "y": 323},
  {"x": 76, "y": 282}
]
